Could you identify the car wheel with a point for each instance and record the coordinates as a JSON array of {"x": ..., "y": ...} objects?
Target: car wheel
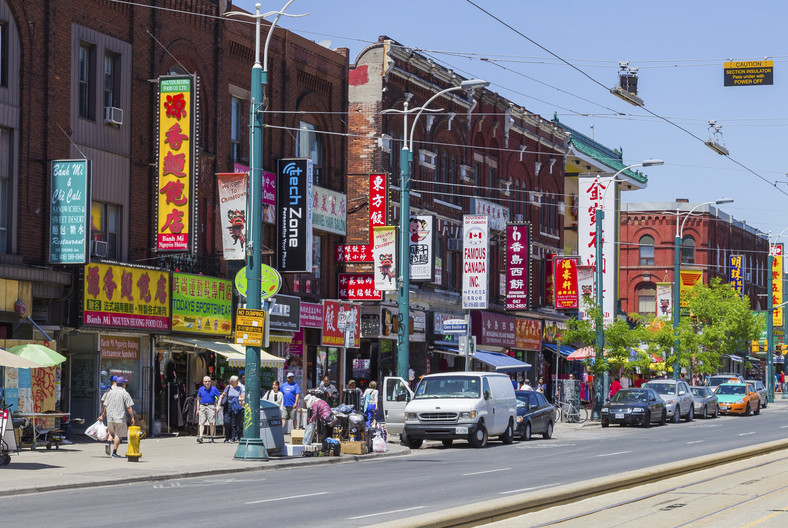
[
  {"x": 757, "y": 410},
  {"x": 705, "y": 412},
  {"x": 664, "y": 419},
  {"x": 691, "y": 414},
  {"x": 478, "y": 438},
  {"x": 765, "y": 403},
  {"x": 415, "y": 443},
  {"x": 647, "y": 420},
  {"x": 447, "y": 443},
  {"x": 508, "y": 436},
  {"x": 548, "y": 433},
  {"x": 748, "y": 410},
  {"x": 676, "y": 415},
  {"x": 716, "y": 411},
  {"x": 605, "y": 423}
]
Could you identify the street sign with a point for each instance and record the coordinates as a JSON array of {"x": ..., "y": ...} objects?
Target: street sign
[
  {"x": 455, "y": 326},
  {"x": 748, "y": 73},
  {"x": 249, "y": 327}
]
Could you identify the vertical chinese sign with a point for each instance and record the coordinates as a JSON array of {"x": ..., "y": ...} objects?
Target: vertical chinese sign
[
  {"x": 69, "y": 219},
  {"x": 177, "y": 169},
  {"x": 566, "y": 288},
  {"x": 518, "y": 270},
  {"x": 378, "y": 216},
  {"x": 475, "y": 261},
  {"x": 734, "y": 274},
  {"x": 591, "y": 192},
  {"x": 294, "y": 209},
  {"x": 777, "y": 285},
  {"x": 232, "y": 214}
]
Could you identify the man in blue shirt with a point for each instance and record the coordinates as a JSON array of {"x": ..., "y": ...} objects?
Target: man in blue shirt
[
  {"x": 291, "y": 393},
  {"x": 206, "y": 409}
]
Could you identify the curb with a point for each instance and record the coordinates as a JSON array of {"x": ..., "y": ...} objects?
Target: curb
[{"x": 500, "y": 509}]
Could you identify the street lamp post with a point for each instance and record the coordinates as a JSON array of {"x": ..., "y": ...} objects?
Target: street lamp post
[
  {"x": 677, "y": 278},
  {"x": 406, "y": 158},
  {"x": 599, "y": 216},
  {"x": 251, "y": 446},
  {"x": 770, "y": 308}
]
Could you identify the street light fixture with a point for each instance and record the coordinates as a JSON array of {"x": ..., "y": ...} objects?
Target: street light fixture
[
  {"x": 770, "y": 308},
  {"x": 251, "y": 446},
  {"x": 599, "y": 216},
  {"x": 406, "y": 157},
  {"x": 677, "y": 276}
]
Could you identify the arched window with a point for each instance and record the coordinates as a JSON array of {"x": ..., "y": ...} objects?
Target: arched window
[
  {"x": 647, "y": 299},
  {"x": 688, "y": 250},
  {"x": 646, "y": 250}
]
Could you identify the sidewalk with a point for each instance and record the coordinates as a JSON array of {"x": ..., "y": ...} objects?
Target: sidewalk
[{"x": 84, "y": 464}]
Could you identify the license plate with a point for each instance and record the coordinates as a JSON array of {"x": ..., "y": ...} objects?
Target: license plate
[
  {"x": 723, "y": 408},
  {"x": 461, "y": 430},
  {"x": 619, "y": 416}
]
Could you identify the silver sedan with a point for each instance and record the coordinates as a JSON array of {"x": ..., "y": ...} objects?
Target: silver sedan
[{"x": 705, "y": 402}]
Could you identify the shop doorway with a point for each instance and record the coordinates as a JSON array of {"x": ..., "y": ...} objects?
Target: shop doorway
[{"x": 84, "y": 403}]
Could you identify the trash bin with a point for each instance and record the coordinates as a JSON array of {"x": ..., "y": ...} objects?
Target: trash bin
[{"x": 271, "y": 431}]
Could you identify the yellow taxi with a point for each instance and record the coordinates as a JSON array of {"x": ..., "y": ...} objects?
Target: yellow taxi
[{"x": 738, "y": 398}]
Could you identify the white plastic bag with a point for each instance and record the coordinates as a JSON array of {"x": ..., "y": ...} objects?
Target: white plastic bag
[
  {"x": 97, "y": 431},
  {"x": 378, "y": 444}
]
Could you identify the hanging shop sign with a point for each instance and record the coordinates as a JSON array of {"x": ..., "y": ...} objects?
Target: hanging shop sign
[
  {"x": 664, "y": 299},
  {"x": 498, "y": 214},
  {"x": 126, "y": 297},
  {"x": 177, "y": 167},
  {"x": 689, "y": 278},
  {"x": 421, "y": 234},
  {"x": 329, "y": 211},
  {"x": 270, "y": 281},
  {"x": 202, "y": 305},
  {"x": 475, "y": 261},
  {"x": 284, "y": 312},
  {"x": 378, "y": 216},
  {"x": 269, "y": 197},
  {"x": 358, "y": 287},
  {"x": 69, "y": 219},
  {"x": 735, "y": 276},
  {"x": 518, "y": 269},
  {"x": 566, "y": 289},
  {"x": 232, "y": 214},
  {"x": 339, "y": 317},
  {"x": 493, "y": 329},
  {"x": 591, "y": 191},
  {"x": 294, "y": 187},
  {"x": 528, "y": 334},
  {"x": 384, "y": 253},
  {"x": 311, "y": 315}
]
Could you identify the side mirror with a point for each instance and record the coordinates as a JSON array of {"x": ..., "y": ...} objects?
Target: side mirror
[
  {"x": 486, "y": 395},
  {"x": 653, "y": 399},
  {"x": 682, "y": 393}
]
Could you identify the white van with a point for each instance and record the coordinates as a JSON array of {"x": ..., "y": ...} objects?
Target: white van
[{"x": 451, "y": 405}]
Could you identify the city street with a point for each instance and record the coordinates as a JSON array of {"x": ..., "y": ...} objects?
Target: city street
[{"x": 429, "y": 480}]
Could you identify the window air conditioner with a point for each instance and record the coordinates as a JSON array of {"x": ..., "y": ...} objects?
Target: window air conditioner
[
  {"x": 98, "y": 248},
  {"x": 455, "y": 244},
  {"x": 113, "y": 115}
]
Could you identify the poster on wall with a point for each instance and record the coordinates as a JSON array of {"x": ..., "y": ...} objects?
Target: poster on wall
[
  {"x": 475, "y": 261},
  {"x": 294, "y": 186},
  {"x": 567, "y": 296},
  {"x": 232, "y": 214},
  {"x": 518, "y": 267},
  {"x": 422, "y": 241},
  {"x": 201, "y": 305},
  {"x": 384, "y": 253},
  {"x": 69, "y": 220},
  {"x": 177, "y": 164}
]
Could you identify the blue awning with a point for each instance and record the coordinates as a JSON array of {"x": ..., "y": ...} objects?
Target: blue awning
[
  {"x": 500, "y": 362},
  {"x": 565, "y": 349}
]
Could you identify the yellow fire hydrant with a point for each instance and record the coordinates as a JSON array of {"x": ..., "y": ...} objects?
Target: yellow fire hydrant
[{"x": 135, "y": 435}]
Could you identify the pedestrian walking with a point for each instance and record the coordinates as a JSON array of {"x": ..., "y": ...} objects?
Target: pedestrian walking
[
  {"x": 292, "y": 394},
  {"x": 116, "y": 403},
  {"x": 615, "y": 386},
  {"x": 541, "y": 386},
  {"x": 371, "y": 402},
  {"x": 208, "y": 396},
  {"x": 234, "y": 396},
  {"x": 274, "y": 395}
]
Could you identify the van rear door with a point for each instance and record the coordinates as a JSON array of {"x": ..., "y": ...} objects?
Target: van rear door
[{"x": 396, "y": 395}]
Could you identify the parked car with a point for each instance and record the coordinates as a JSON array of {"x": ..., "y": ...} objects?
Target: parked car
[
  {"x": 535, "y": 415},
  {"x": 634, "y": 407},
  {"x": 739, "y": 398},
  {"x": 452, "y": 405},
  {"x": 677, "y": 398},
  {"x": 715, "y": 381},
  {"x": 760, "y": 388},
  {"x": 705, "y": 402}
]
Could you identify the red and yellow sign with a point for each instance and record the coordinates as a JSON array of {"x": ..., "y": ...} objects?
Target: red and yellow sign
[
  {"x": 125, "y": 297},
  {"x": 176, "y": 178},
  {"x": 689, "y": 278},
  {"x": 566, "y": 288}
]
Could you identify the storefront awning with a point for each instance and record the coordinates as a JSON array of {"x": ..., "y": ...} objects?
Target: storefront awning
[
  {"x": 235, "y": 354},
  {"x": 500, "y": 362},
  {"x": 280, "y": 338},
  {"x": 447, "y": 349},
  {"x": 565, "y": 349}
]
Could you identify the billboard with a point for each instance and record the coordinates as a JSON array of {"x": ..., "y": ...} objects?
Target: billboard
[
  {"x": 518, "y": 269},
  {"x": 69, "y": 220},
  {"x": 591, "y": 193},
  {"x": 475, "y": 261},
  {"x": 294, "y": 190},
  {"x": 202, "y": 305}
]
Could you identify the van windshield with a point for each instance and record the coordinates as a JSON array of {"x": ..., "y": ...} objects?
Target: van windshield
[{"x": 449, "y": 387}]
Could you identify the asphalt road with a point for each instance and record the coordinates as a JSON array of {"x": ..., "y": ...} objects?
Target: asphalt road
[{"x": 347, "y": 495}]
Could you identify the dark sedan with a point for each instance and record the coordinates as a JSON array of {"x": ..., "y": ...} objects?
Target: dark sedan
[
  {"x": 705, "y": 402},
  {"x": 634, "y": 407},
  {"x": 535, "y": 415}
]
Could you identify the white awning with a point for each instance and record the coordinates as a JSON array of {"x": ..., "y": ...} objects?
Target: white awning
[{"x": 235, "y": 354}]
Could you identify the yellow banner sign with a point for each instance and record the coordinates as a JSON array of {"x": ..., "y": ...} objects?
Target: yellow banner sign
[{"x": 689, "y": 278}]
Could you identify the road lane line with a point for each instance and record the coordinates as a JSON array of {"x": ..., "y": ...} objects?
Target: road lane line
[
  {"x": 483, "y": 472},
  {"x": 530, "y": 489},
  {"x": 288, "y": 498},
  {"x": 385, "y": 513},
  {"x": 784, "y": 426},
  {"x": 617, "y": 453},
  {"x": 746, "y": 434},
  {"x": 695, "y": 442}
]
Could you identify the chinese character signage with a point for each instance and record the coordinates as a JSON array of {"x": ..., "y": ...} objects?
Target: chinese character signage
[
  {"x": 498, "y": 214},
  {"x": 201, "y": 305},
  {"x": 125, "y": 297},
  {"x": 493, "y": 329},
  {"x": 358, "y": 287},
  {"x": 689, "y": 278},
  {"x": 528, "y": 334},
  {"x": 339, "y": 318},
  {"x": 384, "y": 253},
  {"x": 591, "y": 192},
  {"x": 177, "y": 165},
  {"x": 664, "y": 299},
  {"x": 311, "y": 315},
  {"x": 566, "y": 288},
  {"x": 518, "y": 270},
  {"x": 735, "y": 273},
  {"x": 69, "y": 219},
  {"x": 475, "y": 261},
  {"x": 378, "y": 216},
  {"x": 777, "y": 288},
  {"x": 422, "y": 237},
  {"x": 232, "y": 214},
  {"x": 329, "y": 209},
  {"x": 294, "y": 187}
]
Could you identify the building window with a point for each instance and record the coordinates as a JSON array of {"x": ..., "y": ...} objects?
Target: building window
[
  {"x": 6, "y": 160},
  {"x": 105, "y": 227},
  {"x": 236, "y": 130},
  {"x": 646, "y": 250},
  {"x": 310, "y": 145},
  {"x": 647, "y": 300},
  {"x": 87, "y": 82},
  {"x": 3, "y": 54},
  {"x": 111, "y": 80},
  {"x": 688, "y": 250}
]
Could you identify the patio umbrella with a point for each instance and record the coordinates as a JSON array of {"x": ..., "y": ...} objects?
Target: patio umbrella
[
  {"x": 44, "y": 356},
  {"x": 8, "y": 359},
  {"x": 582, "y": 353}
]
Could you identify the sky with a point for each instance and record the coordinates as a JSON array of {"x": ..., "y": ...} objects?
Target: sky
[{"x": 679, "y": 49}]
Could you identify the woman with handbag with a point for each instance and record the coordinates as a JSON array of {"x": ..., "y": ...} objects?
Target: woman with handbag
[
  {"x": 274, "y": 395},
  {"x": 233, "y": 395}
]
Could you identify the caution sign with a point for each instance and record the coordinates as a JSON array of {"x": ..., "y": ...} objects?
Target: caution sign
[
  {"x": 749, "y": 73},
  {"x": 249, "y": 327}
]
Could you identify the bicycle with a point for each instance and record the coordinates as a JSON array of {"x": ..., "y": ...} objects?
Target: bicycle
[{"x": 570, "y": 413}]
